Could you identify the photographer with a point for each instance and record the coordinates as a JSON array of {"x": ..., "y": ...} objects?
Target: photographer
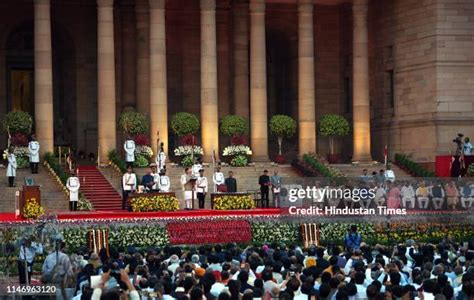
[
  {"x": 26, "y": 258},
  {"x": 126, "y": 286},
  {"x": 459, "y": 144}
]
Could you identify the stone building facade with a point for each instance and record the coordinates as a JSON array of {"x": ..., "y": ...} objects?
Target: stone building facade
[{"x": 402, "y": 71}]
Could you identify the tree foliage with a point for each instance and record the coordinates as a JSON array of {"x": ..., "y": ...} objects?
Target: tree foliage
[
  {"x": 232, "y": 125},
  {"x": 133, "y": 123},
  {"x": 333, "y": 125},
  {"x": 18, "y": 122},
  {"x": 282, "y": 126},
  {"x": 184, "y": 123}
]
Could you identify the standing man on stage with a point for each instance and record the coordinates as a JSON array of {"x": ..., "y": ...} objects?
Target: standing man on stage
[
  {"x": 156, "y": 178},
  {"x": 231, "y": 183},
  {"x": 161, "y": 158},
  {"x": 197, "y": 167},
  {"x": 73, "y": 184},
  {"x": 187, "y": 184},
  {"x": 33, "y": 149},
  {"x": 264, "y": 181},
  {"x": 129, "y": 147},
  {"x": 202, "y": 187},
  {"x": 164, "y": 183},
  {"x": 219, "y": 181},
  {"x": 129, "y": 185},
  {"x": 11, "y": 168},
  {"x": 275, "y": 180},
  {"x": 26, "y": 258}
]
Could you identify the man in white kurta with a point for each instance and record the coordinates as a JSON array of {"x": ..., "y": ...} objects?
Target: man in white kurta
[
  {"x": 164, "y": 183},
  {"x": 218, "y": 179},
  {"x": 202, "y": 186},
  {"x": 129, "y": 185},
  {"x": 129, "y": 147},
  {"x": 11, "y": 168},
  {"x": 161, "y": 159},
  {"x": 73, "y": 184},
  {"x": 187, "y": 184},
  {"x": 33, "y": 149},
  {"x": 156, "y": 178}
]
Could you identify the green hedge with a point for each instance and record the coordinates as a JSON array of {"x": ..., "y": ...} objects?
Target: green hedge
[
  {"x": 322, "y": 169},
  {"x": 414, "y": 168},
  {"x": 54, "y": 164},
  {"x": 116, "y": 160}
]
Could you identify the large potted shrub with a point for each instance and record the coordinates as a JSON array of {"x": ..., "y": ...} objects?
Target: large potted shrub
[
  {"x": 185, "y": 126},
  {"x": 236, "y": 127},
  {"x": 134, "y": 125},
  {"x": 282, "y": 126},
  {"x": 18, "y": 125},
  {"x": 333, "y": 126}
]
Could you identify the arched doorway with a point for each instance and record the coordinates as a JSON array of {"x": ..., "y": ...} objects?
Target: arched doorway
[{"x": 19, "y": 64}]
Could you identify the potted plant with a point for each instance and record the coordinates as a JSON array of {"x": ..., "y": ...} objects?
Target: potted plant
[
  {"x": 235, "y": 127},
  {"x": 332, "y": 126},
  {"x": 184, "y": 126},
  {"x": 282, "y": 126},
  {"x": 134, "y": 125}
]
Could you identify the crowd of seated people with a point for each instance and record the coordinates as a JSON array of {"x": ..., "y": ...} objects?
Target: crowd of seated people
[{"x": 273, "y": 271}]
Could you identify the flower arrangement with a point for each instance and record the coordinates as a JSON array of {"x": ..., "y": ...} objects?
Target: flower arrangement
[
  {"x": 188, "y": 150},
  {"x": 270, "y": 232},
  {"x": 187, "y": 161},
  {"x": 233, "y": 150},
  {"x": 138, "y": 236},
  {"x": 235, "y": 231},
  {"x": 239, "y": 161},
  {"x": 141, "y": 140},
  {"x": 143, "y": 154},
  {"x": 154, "y": 203},
  {"x": 83, "y": 204},
  {"x": 238, "y": 140},
  {"x": 229, "y": 202},
  {"x": 19, "y": 139},
  {"x": 32, "y": 209}
]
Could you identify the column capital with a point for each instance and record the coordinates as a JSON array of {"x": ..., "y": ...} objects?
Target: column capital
[
  {"x": 257, "y": 6},
  {"x": 105, "y": 3},
  {"x": 157, "y": 4},
  {"x": 209, "y": 5},
  {"x": 42, "y": 2}
]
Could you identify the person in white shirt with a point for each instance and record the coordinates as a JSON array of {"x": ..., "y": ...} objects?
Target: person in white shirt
[
  {"x": 164, "y": 182},
  {"x": 219, "y": 180},
  {"x": 467, "y": 195},
  {"x": 129, "y": 185},
  {"x": 389, "y": 174},
  {"x": 196, "y": 168},
  {"x": 467, "y": 147},
  {"x": 26, "y": 258},
  {"x": 380, "y": 195},
  {"x": 33, "y": 149},
  {"x": 73, "y": 184},
  {"x": 11, "y": 168},
  {"x": 408, "y": 195},
  {"x": 129, "y": 147},
  {"x": 202, "y": 186},
  {"x": 161, "y": 158},
  {"x": 187, "y": 184},
  {"x": 156, "y": 178}
]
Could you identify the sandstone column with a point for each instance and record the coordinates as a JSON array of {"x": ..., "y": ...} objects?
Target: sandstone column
[
  {"x": 143, "y": 56},
  {"x": 106, "y": 78},
  {"x": 306, "y": 105},
  {"x": 128, "y": 57},
  {"x": 258, "y": 82},
  {"x": 158, "y": 92},
  {"x": 209, "y": 110},
  {"x": 241, "y": 59},
  {"x": 44, "y": 125},
  {"x": 361, "y": 101}
]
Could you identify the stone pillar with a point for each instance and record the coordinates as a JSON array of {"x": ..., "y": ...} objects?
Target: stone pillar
[
  {"x": 106, "y": 78},
  {"x": 209, "y": 110},
  {"x": 258, "y": 82},
  {"x": 241, "y": 59},
  {"x": 158, "y": 92},
  {"x": 143, "y": 56},
  {"x": 306, "y": 104},
  {"x": 360, "y": 77},
  {"x": 128, "y": 58},
  {"x": 44, "y": 124}
]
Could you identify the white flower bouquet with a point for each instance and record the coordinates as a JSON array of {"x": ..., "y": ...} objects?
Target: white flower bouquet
[
  {"x": 144, "y": 151},
  {"x": 234, "y": 150},
  {"x": 187, "y": 150}
]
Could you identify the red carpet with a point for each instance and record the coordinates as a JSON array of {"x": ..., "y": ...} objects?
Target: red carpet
[{"x": 98, "y": 190}]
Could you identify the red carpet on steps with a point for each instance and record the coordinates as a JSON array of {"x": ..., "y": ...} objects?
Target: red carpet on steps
[{"x": 98, "y": 190}]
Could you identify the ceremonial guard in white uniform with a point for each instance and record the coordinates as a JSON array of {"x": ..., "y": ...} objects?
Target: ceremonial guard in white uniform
[
  {"x": 129, "y": 185},
  {"x": 161, "y": 158},
  {"x": 73, "y": 184},
  {"x": 196, "y": 168},
  {"x": 129, "y": 147},
  {"x": 218, "y": 179},
  {"x": 33, "y": 149},
  {"x": 11, "y": 168},
  {"x": 164, "y": 183}
]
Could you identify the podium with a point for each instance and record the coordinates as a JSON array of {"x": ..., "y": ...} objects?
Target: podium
[{"x": 29, "y": 192}]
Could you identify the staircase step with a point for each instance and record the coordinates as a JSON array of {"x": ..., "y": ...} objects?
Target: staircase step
[{"x": 98, "y": 190}]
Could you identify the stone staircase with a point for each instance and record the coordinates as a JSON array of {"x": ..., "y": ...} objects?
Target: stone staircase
[
  {"x": 247, "y": 177},
  {"x": 53, "y": 198},
  {"x": 350, "y": 170},
  {"x": 98, "y": 190}
]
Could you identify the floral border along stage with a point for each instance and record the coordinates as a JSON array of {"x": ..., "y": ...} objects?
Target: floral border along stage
[
  {"x": 154, "y": 203},
  {"x": 229, "y": 202}
]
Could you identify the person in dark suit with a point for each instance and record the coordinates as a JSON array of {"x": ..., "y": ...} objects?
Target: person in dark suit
[
  {"x": 231, "y": 183},
  {"x": 264, "y": 181}
]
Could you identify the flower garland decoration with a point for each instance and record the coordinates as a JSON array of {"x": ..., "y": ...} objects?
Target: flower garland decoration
[
  {"x": 32, "y": 209},
  {"x": 188, "y": 150},
  {"x": 233, "y": 150},
  {"x": 155, "y": 203},
  {"x": 229, "y": 202},
  {"x": 98, "y": 239},
  {"x": 270, "y": 232}
]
